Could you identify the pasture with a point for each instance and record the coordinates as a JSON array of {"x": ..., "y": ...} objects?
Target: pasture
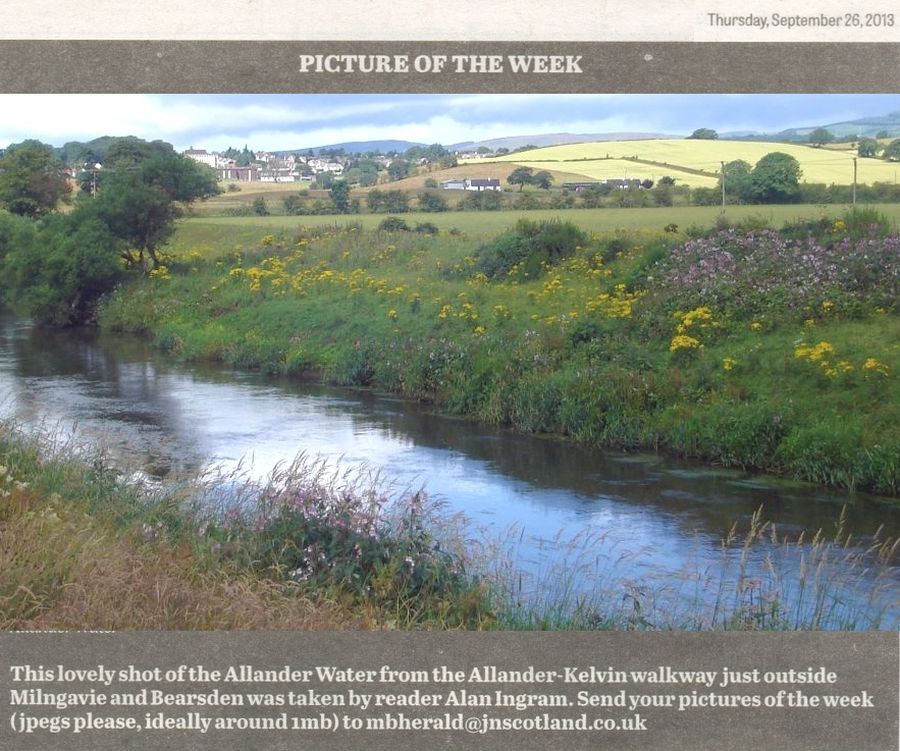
[{"x": 485, "y": 223}]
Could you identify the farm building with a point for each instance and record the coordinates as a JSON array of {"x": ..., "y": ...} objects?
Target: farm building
[{"x": 477, "y": 184}]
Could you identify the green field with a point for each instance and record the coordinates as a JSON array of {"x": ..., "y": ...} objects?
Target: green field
[
  {"x": 602, "y": 159},
  {"x": 482, "y": 223}
]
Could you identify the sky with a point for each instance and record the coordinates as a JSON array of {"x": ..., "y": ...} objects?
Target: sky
[{"x": 294, "y": 121}]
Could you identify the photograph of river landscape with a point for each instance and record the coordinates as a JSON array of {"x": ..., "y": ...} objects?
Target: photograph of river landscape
[{"x": 478, "y": 362}]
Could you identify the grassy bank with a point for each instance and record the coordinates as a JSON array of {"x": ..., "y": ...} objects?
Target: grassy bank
[
  {"x": 84, "y": 547},
  {"x": 749, "y": 350}
]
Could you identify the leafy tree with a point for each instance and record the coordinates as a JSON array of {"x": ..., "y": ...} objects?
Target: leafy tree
[
  {"x": 706, "y": 196},
  {"x": 543, "y": 180},
  {"x": 432, "y": 153},
  {"x": 259, "y": 206},
  {"x": 69, "y": 264},
  {"x": 483, "y": 150},
  {"x": 388, "y": 201},
  {"x": 432, "y": 202},
  {"x": 430, "y": 182},
  {"x": 128, "y": 152},
  {"x": 704, "y": 134},
  {"x": 820, "y": 136},
  {"x": 448, "y": 161},
  {"x": 737, "y": 181},
  {"x": 521, "y": 176},
  {"x": 398, "y": 169},
  {"x": 662, "y": 194},
  {"x": 325, "y": 180},
  {"x": 294, "y": 205},
  {"x": 666, "y": 180},
  {"x": 340, "y": 196},
  {"x": 776, "y": 179},
  {"x": 142, "y": 196},
  {"x": 882, "y": 134},
  {"x": 868, "y": 148},
  {"x": 367, "y": 179},
  {"x": 245, "y": 158},
  {"x": 491, "y": 200},
  {"x": 32, "y": 181},
  {"x": 892, "y": 151}
]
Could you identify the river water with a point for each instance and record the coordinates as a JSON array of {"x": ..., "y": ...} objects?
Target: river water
[{"x": 570, "y": 523}]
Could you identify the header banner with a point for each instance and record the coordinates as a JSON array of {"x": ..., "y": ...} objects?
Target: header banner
[{"x": 86, "y": 66}]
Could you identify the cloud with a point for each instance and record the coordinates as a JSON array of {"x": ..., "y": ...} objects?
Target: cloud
[{"x": 273, "y": 121}]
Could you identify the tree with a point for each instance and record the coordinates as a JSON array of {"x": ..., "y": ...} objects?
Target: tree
[
  {"x": 521, "y": 176},
  {"x": 388, "y": 201},
  {"x": 398, "y": 169},
  {"x": 543, "y": 180},
  {"x": 259, "y": 206},
  {"x": 737, "y": 181},
  {"x": 432, "y": 202},
  {"x": 704, "y": 134},
  {"x": 892, "y": 151},
  {"x": 32, "y": 181},
  {"x": 69, "y": 264},
  {"x": 142, "y": 195},
  {"x": 662, "y": 194},
  {"x": 775, "y": 179},
  {"x": 820, "y": 136},
  {"x": 324, "y": 180},
  {"x": 868, "y": 148},
  {"x": 340, "y": 196}
]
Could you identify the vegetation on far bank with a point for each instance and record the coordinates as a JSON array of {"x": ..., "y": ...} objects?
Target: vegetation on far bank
[{"x": 744, "y": 347}]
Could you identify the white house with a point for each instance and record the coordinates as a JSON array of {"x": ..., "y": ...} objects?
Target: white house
[{"x": 203, "y": 156}]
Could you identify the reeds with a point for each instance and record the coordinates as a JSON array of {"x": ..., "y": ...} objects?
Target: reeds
[{"x": 322, "y": 546}]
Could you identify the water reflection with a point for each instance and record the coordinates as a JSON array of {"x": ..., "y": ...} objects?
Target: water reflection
[{"x": 170, "y": 419}]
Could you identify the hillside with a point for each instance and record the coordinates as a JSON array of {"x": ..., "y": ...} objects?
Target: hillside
[
  {"x": 697, "y": 162},
  {"x": 548, "y": 139},
  {"x": 864, "y": 126}
]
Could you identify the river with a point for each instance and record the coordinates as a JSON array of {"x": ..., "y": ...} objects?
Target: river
[{"x": 572, "y": 523}]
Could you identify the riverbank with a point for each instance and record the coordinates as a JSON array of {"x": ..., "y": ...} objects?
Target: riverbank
[
  {"x": 748, "y": 348},
  {"x": 86, "y": 547}
]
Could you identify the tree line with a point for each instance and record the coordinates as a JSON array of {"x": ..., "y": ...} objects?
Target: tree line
[{"x": 57, "y": 264}]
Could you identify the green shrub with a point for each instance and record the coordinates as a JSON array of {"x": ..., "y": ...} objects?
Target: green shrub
[
  {"x": 393, "y": 224},
  {"x": 529, "y": 246}
]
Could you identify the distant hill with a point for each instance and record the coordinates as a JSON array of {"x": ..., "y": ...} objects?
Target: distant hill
[
  {"x": 865, "y": 126},
  {"x": 358, "y": 147},
  {"x": 549, "y": 139}
]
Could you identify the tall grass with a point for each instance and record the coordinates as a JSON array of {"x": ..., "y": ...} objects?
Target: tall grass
[
  {"x": 85, "y": 547},
  {"x": 760, "y": 580},
  {"x": 315, "y": 546}
]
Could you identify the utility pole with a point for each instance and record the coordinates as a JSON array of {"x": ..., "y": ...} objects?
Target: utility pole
[
  {"x": 854, "y": 181},
  {"x": 723, "y": 187}
]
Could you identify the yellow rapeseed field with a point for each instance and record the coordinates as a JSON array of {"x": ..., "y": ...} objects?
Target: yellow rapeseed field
[{"x": 603, "y": 159}]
